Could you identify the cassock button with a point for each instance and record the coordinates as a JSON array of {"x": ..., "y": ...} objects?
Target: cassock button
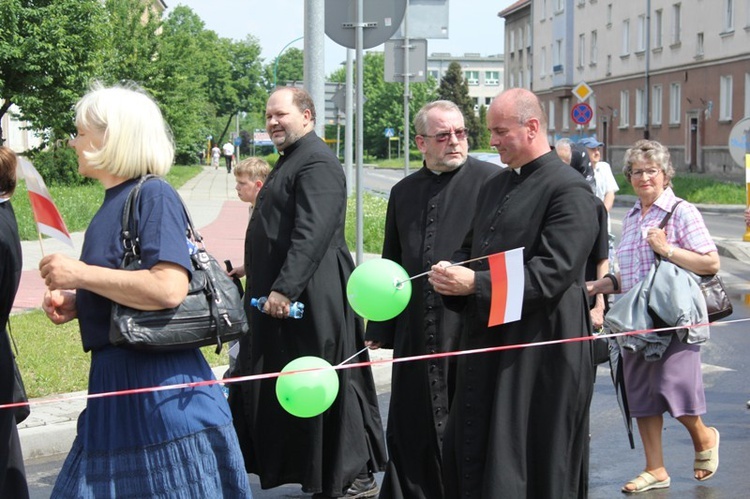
[
  {"x": 492, "y": 229},
  {"x": 428, "y": 248},
  {"x": 485, "y": 244},
  {"x": 432, "y": 220}
]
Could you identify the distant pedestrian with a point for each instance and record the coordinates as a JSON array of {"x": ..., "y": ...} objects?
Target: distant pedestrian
[
  {"x": 173, "y": 443},
  {"x": 12, "y": 474},
  {"x": 228, "y": 150},
  {"x": 215, "y": 156}
]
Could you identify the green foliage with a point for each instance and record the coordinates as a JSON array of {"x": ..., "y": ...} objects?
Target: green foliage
[
  {"x": 483, "y": 137},
  {"x": 373, "y": 223},
  {"x": 49, "y": 50},
  {"x": 697, "y": 188},
  {"x": 290, "y": 67},
  {"x": 58, "y": 166},
  {"x": 384, "y": 107},
  {"x": 453, "y": 87}
]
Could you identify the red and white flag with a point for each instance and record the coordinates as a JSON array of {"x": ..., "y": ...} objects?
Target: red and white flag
[
  {"x": 506, "y": 274},
  {"x": 47, "y": 217}
]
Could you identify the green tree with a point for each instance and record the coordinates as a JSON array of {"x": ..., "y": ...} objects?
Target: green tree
[
  {"x": 453, "y": 87},
  {"x": 133, "y": 42},
  {"x": 483, "y": 139},
  {"x": 290, "y": 67},
  {"x": 384, "y": 104},
  {"x": 49, "y": 50}
]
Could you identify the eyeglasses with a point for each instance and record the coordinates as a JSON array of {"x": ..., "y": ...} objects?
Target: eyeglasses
[
  {"x": 460, "y": 134},
  {"x": 651, "y": 172}
]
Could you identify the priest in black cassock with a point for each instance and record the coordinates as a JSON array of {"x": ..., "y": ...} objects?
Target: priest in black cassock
[
  {"x": 12, "y": 474},
  {"x": 428, "y": 215},
  {"x": 295, "y": 251},
  {"x": 518, "y": 426}
]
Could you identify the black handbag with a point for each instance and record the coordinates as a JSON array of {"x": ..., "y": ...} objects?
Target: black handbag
[
  {"x": 211, "y": 314},
  {"x": 718, "y": 303},
  {"x": 19, "y": 390}
]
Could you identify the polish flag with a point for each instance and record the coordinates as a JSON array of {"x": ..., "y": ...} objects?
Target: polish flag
[
  {"x": 506, "y": 274},
  {"x": 47, "y": 217}
]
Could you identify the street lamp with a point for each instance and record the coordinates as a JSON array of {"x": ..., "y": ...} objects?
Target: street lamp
[{"x": 276, "y": 64}]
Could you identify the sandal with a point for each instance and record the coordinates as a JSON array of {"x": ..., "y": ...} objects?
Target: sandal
[
  {"x": 646, "y": 481},
  {"x": 707, "y": 460}
]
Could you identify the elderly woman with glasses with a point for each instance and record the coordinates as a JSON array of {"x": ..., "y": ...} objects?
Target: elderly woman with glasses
[{"x": 673, "y": 383}]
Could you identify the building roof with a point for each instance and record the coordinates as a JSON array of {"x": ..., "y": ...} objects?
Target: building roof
[{"x": 513, "y": 8}]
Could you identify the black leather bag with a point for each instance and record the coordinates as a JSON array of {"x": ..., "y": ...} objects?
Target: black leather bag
[{"x": 211, "y": 314}]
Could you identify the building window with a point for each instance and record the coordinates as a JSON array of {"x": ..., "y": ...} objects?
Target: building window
[
  {"x": 640, "y": 105},
  {"x": 658, "y": 29},
  {"x": 551, "y": 115},
  {"x": 435, "y": 74},
  {"x": 476, "y": 104},
  {"x": 747, "y": 16},
  {"x": 492, "y": 78},
  {"x": 609, "y": 15},
  {"x": 625, "y": 37},
  {"x": 566, "y": 114},
  {"x": 747, "y": 94},
  {"x": 512, "y": 40},
  {"x": 581, "y": 3},
  {"x": 699, "y": 45},
  {"x": 559, "y": 5},
  {"x": 624, "y": 109},
  {"x": 487, "y": 101},
  {"x": 676, "y": 23},
  {"x": 528, "y": 77},
  {"x": 609, "y": 65},
  {"x": 528, "y": 35},
  {"x": 641, "y": 40},
  {"x": 675, "y": 101},
  {"x": 472, "y": 77},
  {"x": 725, "y": 98},
  {"x": 728, "y": 15},
  {"x": 581, "y": 50},
  {"x": 512, "y": 80},
  {"x": 557, "y": 66},
  {"x": 656, "y": 104},
  {"x": 594, "y": 49},
  {"x": 544, "y": 9},
  {"x": 520, "y": 78},
  {"x": 543, "y": 62}
]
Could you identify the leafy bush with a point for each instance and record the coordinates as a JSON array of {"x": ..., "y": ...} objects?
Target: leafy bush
[{"x": 59, "y": 166}]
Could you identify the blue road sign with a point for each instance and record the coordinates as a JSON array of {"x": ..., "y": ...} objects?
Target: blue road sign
[{"x": 389, "y": 132}]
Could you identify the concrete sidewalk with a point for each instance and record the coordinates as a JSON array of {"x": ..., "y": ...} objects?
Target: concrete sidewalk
[{"x": 221, "y": 218}]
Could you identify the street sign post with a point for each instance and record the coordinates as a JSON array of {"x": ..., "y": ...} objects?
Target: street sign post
[
  {"x": 581, "y": 113},
  {"x": 739, "y": 148},
  {"x": 583, "y": 91}
]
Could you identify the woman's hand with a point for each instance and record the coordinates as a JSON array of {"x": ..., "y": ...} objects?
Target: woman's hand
[
  {"x": 61, "y": 272},
  {"x": 452, "y": 280},
  {"x": 60, "y": 306},
  {"x": 657, "y": 239}
]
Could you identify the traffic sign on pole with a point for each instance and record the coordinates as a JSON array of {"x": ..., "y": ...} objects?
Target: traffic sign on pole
[
  {"x": 581, "y": 113},
  {"x": 583, "y": 91}
]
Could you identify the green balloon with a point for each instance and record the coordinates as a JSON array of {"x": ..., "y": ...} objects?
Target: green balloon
[
  {"x": 307, "y": 394},
  {"x": 379, "y": 289}
]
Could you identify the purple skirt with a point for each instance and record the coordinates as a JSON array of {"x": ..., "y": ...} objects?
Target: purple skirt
[{"x": 673, "y": 384}]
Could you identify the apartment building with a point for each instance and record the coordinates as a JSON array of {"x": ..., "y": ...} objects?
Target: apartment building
[
  {"x": 484, "y": 74},
  {"x": 676, "y": 71}
]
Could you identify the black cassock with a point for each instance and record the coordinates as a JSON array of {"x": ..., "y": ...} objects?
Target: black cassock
[
  {"x": 12, "y": 474},
  {"x": 295, "y": 245},
  {"x": 428, "y": 217},
  {"x": 518, "y": 426}
]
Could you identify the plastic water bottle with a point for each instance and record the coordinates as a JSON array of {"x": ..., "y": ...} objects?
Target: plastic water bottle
[{"x": 296, "y": 309}]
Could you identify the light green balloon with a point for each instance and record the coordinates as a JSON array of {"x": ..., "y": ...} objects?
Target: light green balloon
[
  {"x": 379, "y": 289},
  {"x": 307, "y": 394}
]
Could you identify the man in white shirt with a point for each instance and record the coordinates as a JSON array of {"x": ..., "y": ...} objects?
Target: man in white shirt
[{"x": 228, "y": 150}]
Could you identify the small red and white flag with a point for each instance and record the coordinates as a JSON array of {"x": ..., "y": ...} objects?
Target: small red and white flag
[
  {"x": 506, "y": 274},
  {"x": 47, "y": 217}
]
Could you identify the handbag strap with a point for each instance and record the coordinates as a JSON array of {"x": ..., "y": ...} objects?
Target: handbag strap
[
  {"x": 129, "y": 222},
  {"x": 664, "y": 224}
]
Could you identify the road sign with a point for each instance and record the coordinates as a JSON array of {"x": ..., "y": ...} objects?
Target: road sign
[
  {"x": 583, "y": 91},
  {"x": 390, "y": 132},
  {"x": 739, "y": 141},
  {"x": 394, "y": 60},
  {"x": 581, "y": 113},
  {"x": 380, "y": 19}
]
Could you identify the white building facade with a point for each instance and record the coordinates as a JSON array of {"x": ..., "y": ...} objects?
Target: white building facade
[{"x": 484, "y": 74}]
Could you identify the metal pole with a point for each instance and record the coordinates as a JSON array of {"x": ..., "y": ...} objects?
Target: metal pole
[
  {"x": 237, "y": 158},
  {"x": 314, "y": 60},
  {"x": 360, "y": 123},
  {"x": 407, "y": 96},
  {"x": 647, "y": 94},
  {"x": 349, "y": 121}
]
